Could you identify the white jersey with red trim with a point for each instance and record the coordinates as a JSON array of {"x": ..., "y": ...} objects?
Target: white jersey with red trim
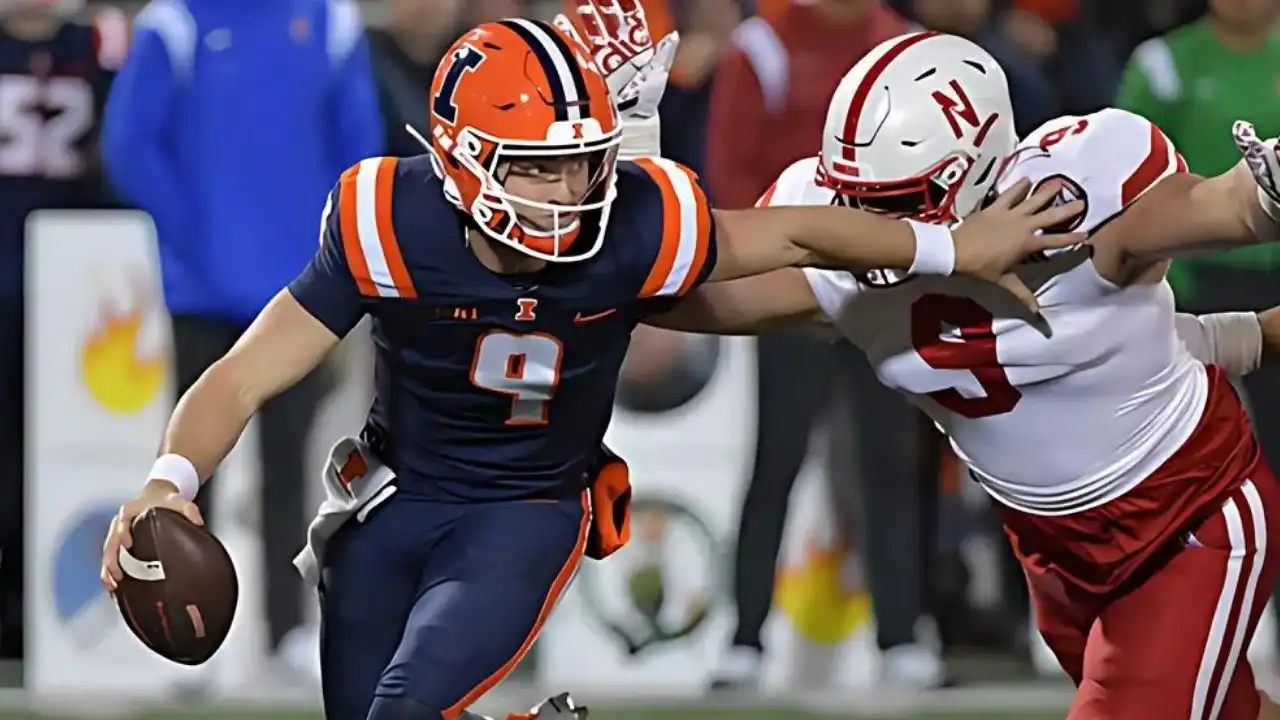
[{"x": 1055, "y": 415}]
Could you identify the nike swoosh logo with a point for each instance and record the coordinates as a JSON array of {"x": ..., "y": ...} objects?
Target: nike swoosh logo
[{"x": 580, "y": 319}]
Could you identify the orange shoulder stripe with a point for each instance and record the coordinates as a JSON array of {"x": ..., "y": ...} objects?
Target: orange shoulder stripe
[
  {"x": 385, "y": 184},
  {"x": 349, "y": 230},
  {"x": 368, "y": 229},
  {"x": 686, "y": 229},
  {"x": 702, "y": 225}
]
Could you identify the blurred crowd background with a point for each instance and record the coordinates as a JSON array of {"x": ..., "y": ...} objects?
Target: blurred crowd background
[{"x": 228, "y": 120}]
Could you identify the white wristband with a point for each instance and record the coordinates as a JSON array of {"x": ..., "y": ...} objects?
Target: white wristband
[
  {"x": 1269, "y": 206},
  {"x": 179, "y": 471},
  {"x": 935, "y": 249}
]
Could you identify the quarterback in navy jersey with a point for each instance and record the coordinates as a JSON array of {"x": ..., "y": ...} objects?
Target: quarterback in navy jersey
[{"x": 504, "y": 271}]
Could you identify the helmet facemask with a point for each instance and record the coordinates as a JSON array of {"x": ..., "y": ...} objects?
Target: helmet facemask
[
  {"x": 543, "y": 229},
  {"x": 930, "y": 196}
]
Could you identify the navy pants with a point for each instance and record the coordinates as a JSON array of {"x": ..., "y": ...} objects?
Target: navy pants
[{"x": 426, "y": 605}]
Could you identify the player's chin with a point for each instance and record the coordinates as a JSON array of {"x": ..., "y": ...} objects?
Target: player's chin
[{"x": 548, "y": 223}]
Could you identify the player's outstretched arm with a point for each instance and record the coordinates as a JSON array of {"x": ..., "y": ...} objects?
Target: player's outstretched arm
[
  {"x": 745, "y": 306},
  {"x": 297, "y": 329},
  {"x": 282, "y": 345},
  {"x": 755, "y": 241},
  {"x": 1187, "y": 213}
]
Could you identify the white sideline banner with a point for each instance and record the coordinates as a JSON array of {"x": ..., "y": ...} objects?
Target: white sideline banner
[{"x": 98, "y": 395}]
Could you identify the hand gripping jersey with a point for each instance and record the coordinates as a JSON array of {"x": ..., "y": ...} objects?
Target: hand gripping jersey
[
  {"x": 1054, "y": 416},
  {"x": 494, "y": 386}
]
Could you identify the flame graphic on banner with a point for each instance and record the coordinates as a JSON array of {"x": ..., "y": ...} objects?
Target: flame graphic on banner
[
  {"x": 117, "y": 376},
  {"x": 813, "y": 596}
]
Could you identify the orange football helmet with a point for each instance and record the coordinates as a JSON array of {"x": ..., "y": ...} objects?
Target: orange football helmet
[{"x": 514, "y": 90}]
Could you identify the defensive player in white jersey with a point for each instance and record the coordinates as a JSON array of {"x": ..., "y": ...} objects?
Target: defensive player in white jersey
[{"x": 1125, "y": 468}]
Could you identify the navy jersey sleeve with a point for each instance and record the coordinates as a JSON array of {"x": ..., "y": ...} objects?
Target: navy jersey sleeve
[
  {"x": 327, "y": 288},
  {"x": 359, "y": 262},
  {"x": 675, "y": 244}
]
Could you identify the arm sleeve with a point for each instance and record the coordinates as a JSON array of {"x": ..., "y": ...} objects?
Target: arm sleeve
[
  {"x": 679, "y": 252},
  {"x": 138, "y": 114},
  {"x": 326, "y": 288},
  {"x": 1232, "y": 340},
  {"x": 354, "y": 109}
]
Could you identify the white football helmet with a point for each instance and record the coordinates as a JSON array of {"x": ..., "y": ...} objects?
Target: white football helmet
[{"x": 918, "y": 128}]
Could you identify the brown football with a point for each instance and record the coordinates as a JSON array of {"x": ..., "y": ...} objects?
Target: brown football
[{"x": 179, "y": 590}]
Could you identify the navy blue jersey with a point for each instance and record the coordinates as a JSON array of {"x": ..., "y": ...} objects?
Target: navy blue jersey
[
  {"x": 495, "y": 386},
  {"x": 51, "y": 95}
]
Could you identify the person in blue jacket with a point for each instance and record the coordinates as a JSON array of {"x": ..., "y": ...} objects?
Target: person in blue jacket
[{"x": 229, "y": 122}]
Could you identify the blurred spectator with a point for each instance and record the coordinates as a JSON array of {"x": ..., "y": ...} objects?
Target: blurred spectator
[
  {"x": 54, "y": 75},
  {"x": 1080, "y": 56},
  {"x": 771, "y": 89},
  {"x": 769, "y": 101},
  {"x": 705, "y": 27},
  {"x": 489, "y": 10},
  {"x": 1194, "y": 83},
  {"x": 228, "y": 123},
  {"x": 405, "y": 56},
  {"x": 1035, "y": 99},
  {"x": 1134, "y": 22}
]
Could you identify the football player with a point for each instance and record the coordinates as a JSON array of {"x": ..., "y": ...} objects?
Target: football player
[
  {"x": 1124, "y": 466},
  {"x": 504, "y": 271}
]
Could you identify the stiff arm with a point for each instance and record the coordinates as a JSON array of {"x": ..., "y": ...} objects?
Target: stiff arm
[
  {"x": 797, "y": 297},
  {"x": 758, "y": 240}
]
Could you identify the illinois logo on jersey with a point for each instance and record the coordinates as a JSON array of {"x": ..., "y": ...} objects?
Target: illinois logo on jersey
[{"x": 525, "y": 309}]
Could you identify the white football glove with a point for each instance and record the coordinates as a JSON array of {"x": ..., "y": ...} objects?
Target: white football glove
[
  {"x": 1264, "y": 162},
  {"x": 617, "y": 39}
]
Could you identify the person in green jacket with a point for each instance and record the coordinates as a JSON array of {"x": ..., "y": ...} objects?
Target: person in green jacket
[{"x": 1193, "y": 82}]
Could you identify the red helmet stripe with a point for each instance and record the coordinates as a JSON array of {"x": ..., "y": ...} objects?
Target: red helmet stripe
[{"x": 869, "y": 82}]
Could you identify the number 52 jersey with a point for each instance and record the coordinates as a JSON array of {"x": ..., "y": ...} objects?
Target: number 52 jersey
[
  {"x": 493, "y": 386},
  {"x": 1055, "y": 415}
]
